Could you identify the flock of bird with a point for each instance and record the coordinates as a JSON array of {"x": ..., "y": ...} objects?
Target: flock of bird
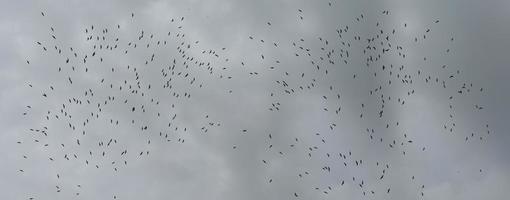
[{"x": 120, "y": 80}]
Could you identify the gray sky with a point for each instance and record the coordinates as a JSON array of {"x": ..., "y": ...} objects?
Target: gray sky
[{"x": 218, "y": 160}]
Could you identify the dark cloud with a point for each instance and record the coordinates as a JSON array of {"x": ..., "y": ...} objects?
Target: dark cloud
[{"x": 207, "y": 166}]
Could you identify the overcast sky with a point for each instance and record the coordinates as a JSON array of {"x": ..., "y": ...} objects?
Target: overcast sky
[{"x": 242, "y": 72}]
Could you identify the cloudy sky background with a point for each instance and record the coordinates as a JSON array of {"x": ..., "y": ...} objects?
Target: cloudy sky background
[{"x": 206, "y": 166}]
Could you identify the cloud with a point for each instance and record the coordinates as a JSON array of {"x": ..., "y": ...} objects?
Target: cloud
[{"x": 218, "y": 160}]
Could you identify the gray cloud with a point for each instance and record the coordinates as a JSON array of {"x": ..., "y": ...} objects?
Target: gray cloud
[{"x": 206, "y": 165}]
